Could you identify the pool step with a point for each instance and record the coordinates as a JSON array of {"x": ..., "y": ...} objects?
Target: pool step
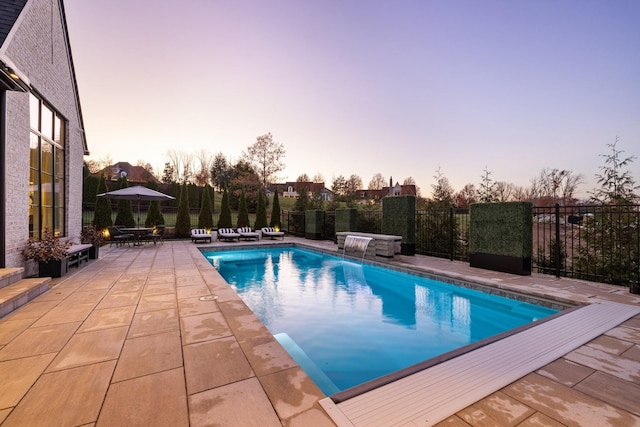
[{"x": 16, "y": 291}]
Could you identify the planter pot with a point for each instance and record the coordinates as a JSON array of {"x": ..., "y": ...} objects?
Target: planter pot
[
  {"x": 94, "y": 251},
  {"x": 52, "y": 268},
  {"x": 634, "y": 288}
]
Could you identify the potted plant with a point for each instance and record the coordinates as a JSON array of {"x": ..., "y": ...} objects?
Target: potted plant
[
  {"x": 94, "y": 237},
  {"x": 50, "y": 252}
]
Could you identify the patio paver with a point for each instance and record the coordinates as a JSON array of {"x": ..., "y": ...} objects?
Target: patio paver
[{"x": 126, "y": 340}]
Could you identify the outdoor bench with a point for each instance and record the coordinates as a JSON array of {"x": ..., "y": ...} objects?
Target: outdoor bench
[{"x": 77, "y": 253}]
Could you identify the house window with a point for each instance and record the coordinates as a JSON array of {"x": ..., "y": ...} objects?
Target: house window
[{"x": 46, "y": 169}]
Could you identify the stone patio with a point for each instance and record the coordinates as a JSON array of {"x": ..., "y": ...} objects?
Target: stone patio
[{"x": 154, "y": 336}]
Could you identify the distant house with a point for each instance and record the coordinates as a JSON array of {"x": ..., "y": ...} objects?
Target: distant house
[
  {"x": 288, "y": 189},
  {"x": 42, "y": 139},
  {"x": 391, "y": 190},
  {"x": 134, "y": 174}
]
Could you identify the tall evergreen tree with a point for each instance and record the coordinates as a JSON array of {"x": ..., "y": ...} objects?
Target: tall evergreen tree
[
  {"x": 154, "y": 215},
  {"x": 90, "y": 188},
  {"x": 183, "y": 219},
  {"x": 261, "y": 212},
  {"x": 275, "y": 212},
  {"x": 102, "y": 217},
  {"x": 243, "y": 213},
  {"x": 194, "y": 196},
  {"x": 125, "y": 213},
  {"x": 205, "y": 219},
  {"x": 224, "y": 221}
]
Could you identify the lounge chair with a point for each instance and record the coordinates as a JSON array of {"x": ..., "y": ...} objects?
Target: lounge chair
[
  {"x": 247, "y": 233},
  {"x": 228, "y": 234},
  {"x": 272, "y": 233},
  {"x": 198, "y": 234}
]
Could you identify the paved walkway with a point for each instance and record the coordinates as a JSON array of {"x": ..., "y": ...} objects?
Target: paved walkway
[{"x": 152, "y": 336}]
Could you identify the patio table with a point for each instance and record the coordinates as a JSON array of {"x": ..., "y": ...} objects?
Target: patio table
[{"x": 137, "y": 232}]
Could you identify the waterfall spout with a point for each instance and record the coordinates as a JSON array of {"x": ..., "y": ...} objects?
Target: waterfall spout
[{"x": 356, "y": 243}]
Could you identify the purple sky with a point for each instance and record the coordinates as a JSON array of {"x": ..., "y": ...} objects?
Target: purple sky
[{"x": 358, "y": 87}]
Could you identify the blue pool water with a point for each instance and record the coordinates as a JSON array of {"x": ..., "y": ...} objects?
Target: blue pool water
[{"x": 346, "y": 323}]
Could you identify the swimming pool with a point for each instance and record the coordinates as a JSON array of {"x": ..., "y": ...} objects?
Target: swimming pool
[{"x": 346, "y": 323}]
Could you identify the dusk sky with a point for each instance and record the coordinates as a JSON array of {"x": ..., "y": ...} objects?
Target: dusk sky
[{"x": 358, "y": 87}]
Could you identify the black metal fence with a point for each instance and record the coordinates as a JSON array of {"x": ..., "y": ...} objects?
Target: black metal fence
[
  {"x": 592, "y": 242},
  {"x": 443, "y": 233},
  {"x": 169, "y": 213},
  {"x": 293, "y": 222}
]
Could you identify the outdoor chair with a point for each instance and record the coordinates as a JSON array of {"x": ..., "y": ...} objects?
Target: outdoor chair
[
  {"x": 198, "y": 234},
  {"x": 157, "y": 235},
  {"x": 247, "y": 233},
  {"x": 228, "y": 234},
  {"x": 272, "y": 233},
  {"x": 118, "y": 237}
]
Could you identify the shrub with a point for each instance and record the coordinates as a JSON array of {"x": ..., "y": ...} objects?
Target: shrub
[
  {"x": 50, "y": 248},
  {"x": 183, "y": 220},
  {"x": 205, "y": 219},
  {"x": 261, "y": 212},
  {"x": 90, "y": 234},
  {"x": 154, "y": 216},
  {"x": 224, "y": 221},
  {"x": 102, "y": 217},
  {"x": 275, "y": 212},
  {"x": 125, "y": 214},
  {"x": 243, "y": 213}
]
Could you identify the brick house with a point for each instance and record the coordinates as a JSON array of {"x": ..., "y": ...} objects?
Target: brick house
[
  {"x": 136, "y": 175},
  {"x": 42, "y": 140}
]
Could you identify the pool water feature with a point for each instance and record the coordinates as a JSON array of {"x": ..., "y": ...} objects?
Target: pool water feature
[{"x": 346, "y": 323}]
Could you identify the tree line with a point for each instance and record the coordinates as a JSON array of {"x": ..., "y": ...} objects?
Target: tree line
[{"x": 259, "y": 165}]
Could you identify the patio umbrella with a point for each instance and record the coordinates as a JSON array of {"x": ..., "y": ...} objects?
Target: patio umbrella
[{"x": 138, "y": 193}]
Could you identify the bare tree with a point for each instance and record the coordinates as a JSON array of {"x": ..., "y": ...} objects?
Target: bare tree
[
  {"x": 266, "y": 157},
  {"x": 504, "y": 191},
  {"x": 555, "y": 185},
  {"x": 352, "y": 185},
  {"x": 96, "y": 166},
  {"x": 93, "y": 166},
  {"x": 318, "y": 178},
  {"x": 377, "y": 182},
  {"x": 181, "y": 162},
  {"x": 521, "y": 194},
  {"x": 202, "y": 175},
  {"x": 410, "y": 181},
  {"x": 465, "y": 197}
]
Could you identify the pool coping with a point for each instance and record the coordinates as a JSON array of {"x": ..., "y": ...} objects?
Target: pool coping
[
  {"x": 556, "y": 303},
  {"x": 563, "y": 306}
]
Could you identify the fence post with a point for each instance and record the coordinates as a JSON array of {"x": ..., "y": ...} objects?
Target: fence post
[
  {"x": 556, "y": 247},
  {"x": 452, "y": 230}
]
